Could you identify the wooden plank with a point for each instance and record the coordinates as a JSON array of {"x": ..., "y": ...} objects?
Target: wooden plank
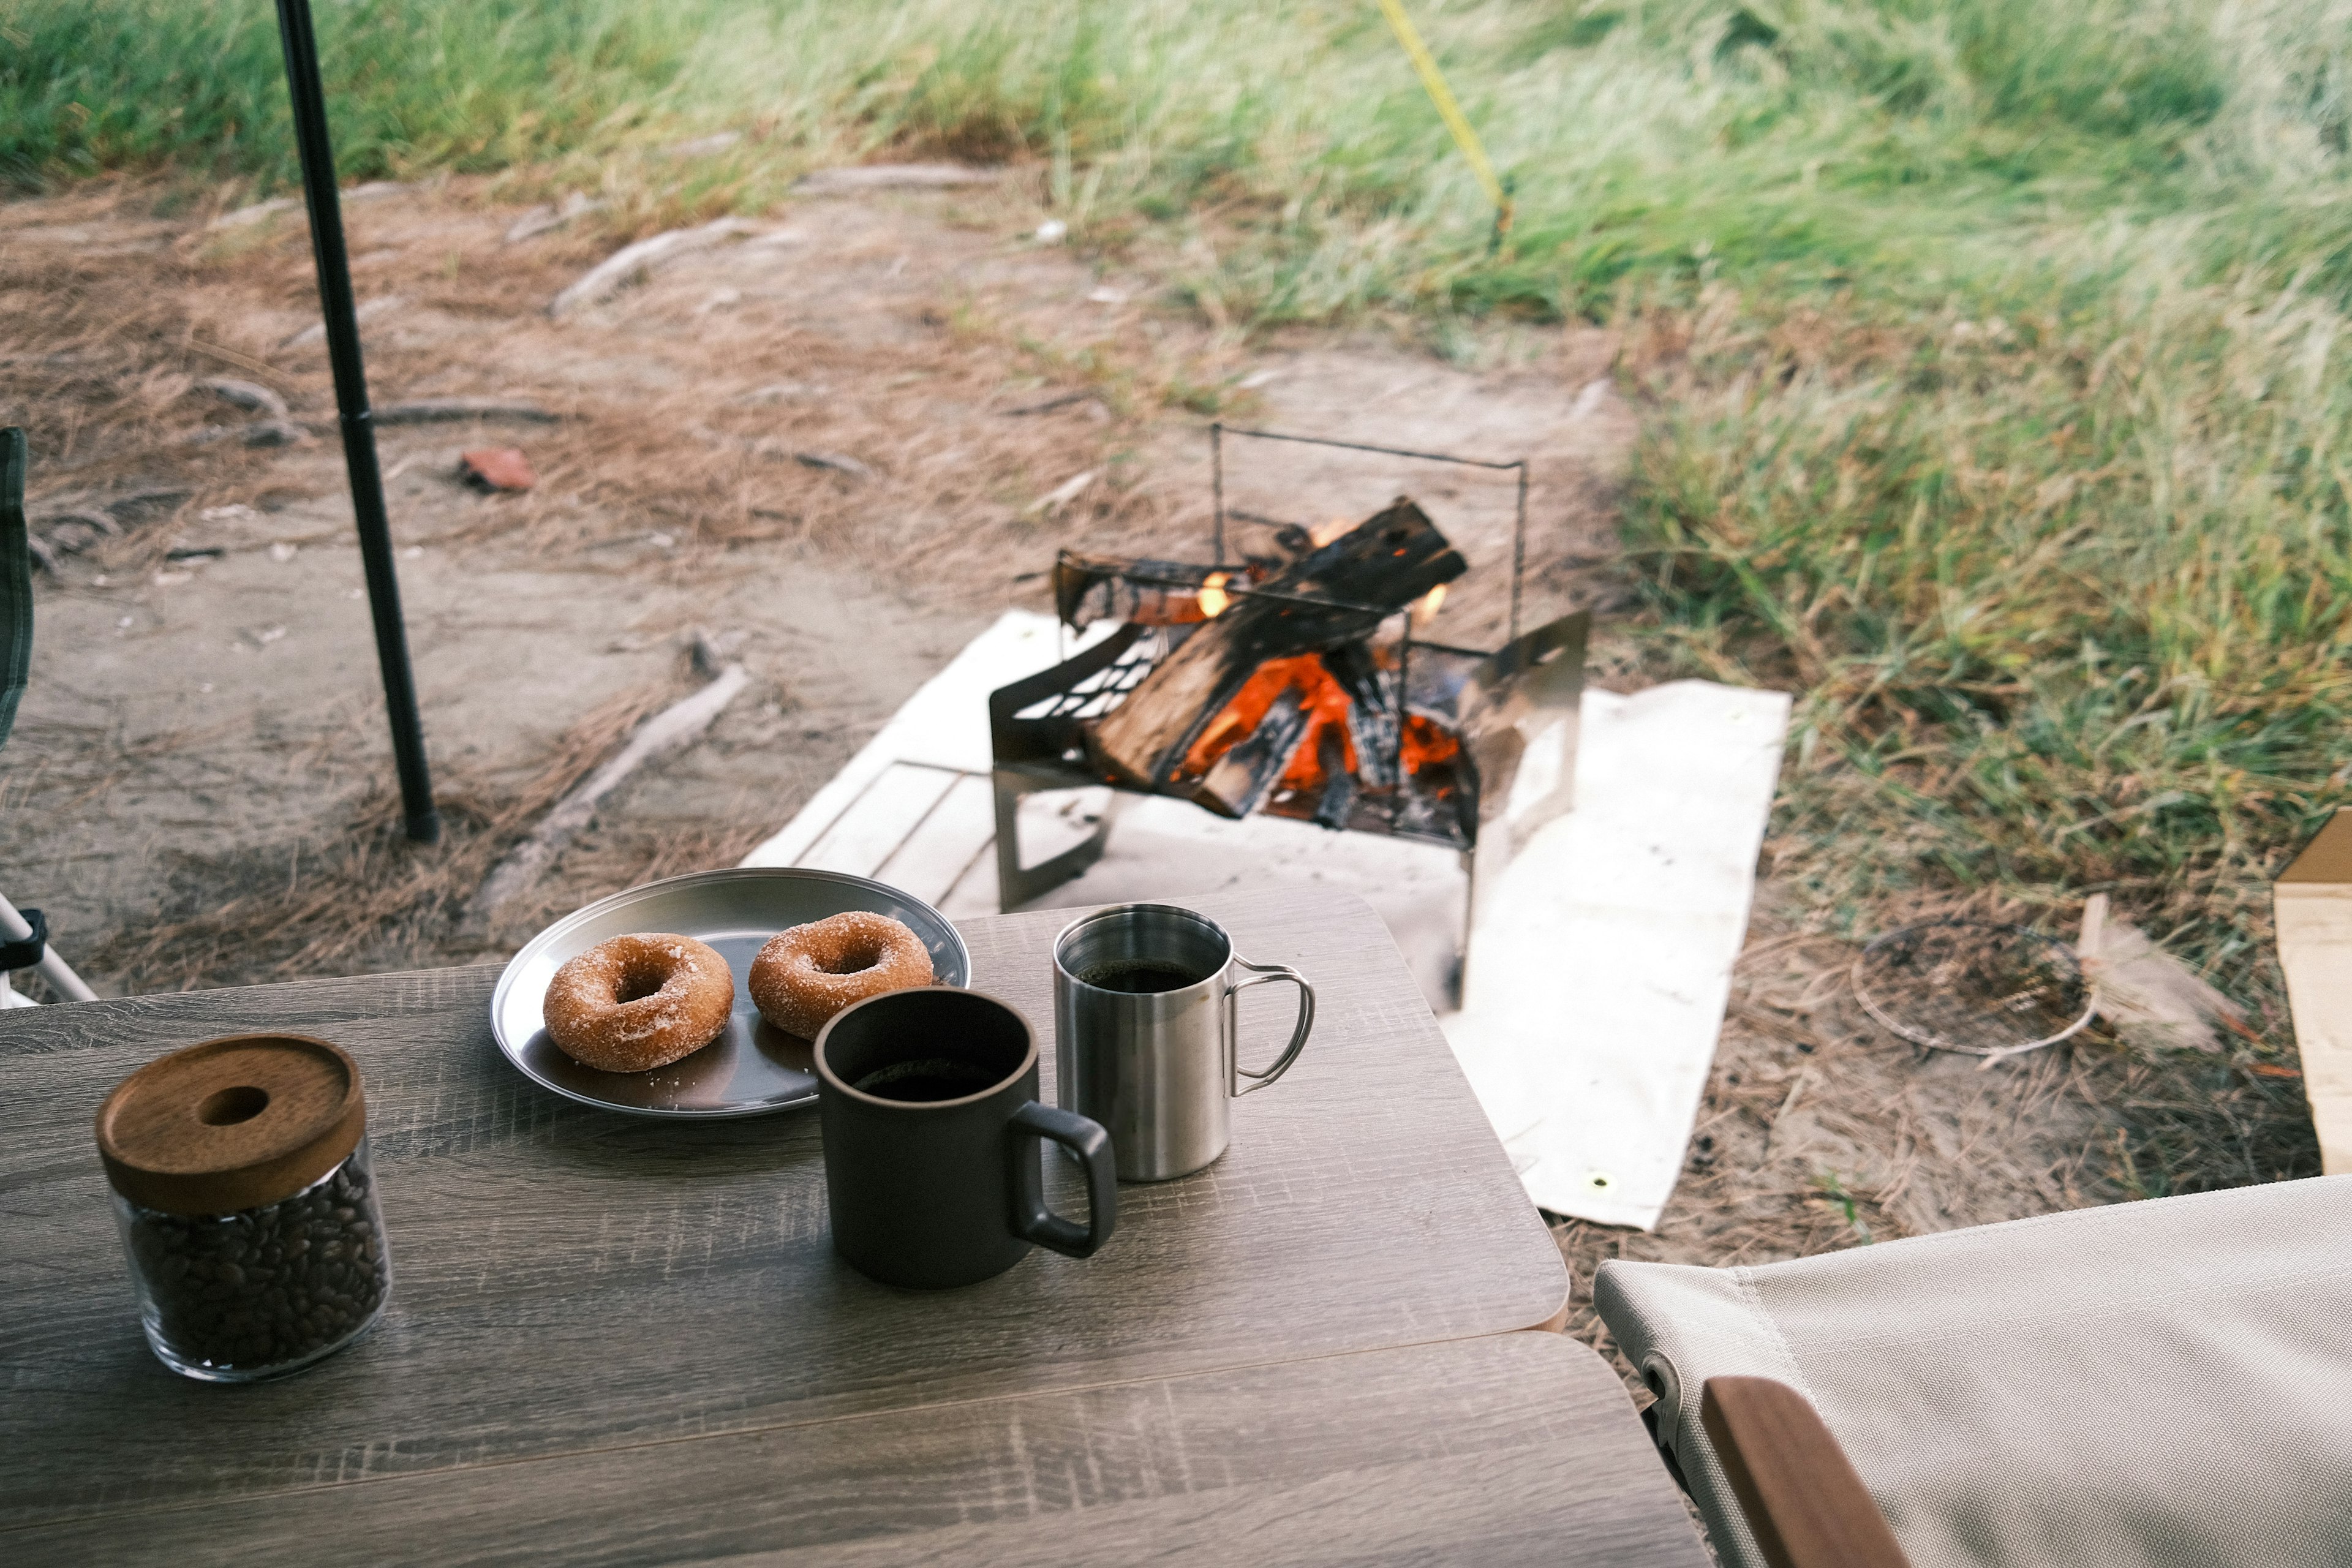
[
  {"x": 1796, "y": 1486},
  {"x": 567, "y": 1279},
  {"x": 946, "y": 842},
  {"x": 2313, "y": 903},
  {"x": 880, "y": 820},
  {"x": 1510, "y": 1449}
]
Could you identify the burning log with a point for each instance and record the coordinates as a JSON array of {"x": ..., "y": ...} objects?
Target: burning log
[
  {"x": 1239, "y": 781},
  {"x": 1333, "y": 597},
  {"x": 1372, "y": 713}
]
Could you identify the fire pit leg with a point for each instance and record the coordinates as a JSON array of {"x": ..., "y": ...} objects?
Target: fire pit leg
[{"x": 1017, "y": 885}]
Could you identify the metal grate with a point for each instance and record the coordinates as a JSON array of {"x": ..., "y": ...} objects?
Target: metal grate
[
  {"x": 1219, "y": 430},
  {"x": 1103, "y": 691}
]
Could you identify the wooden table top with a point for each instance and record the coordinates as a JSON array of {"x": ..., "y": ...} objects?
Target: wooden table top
[
  {"x": 1507, "y": 1449},
  {"x": 585, "y": 1291}
]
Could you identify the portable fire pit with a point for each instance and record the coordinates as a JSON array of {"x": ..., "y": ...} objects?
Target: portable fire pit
[{"x": 1290, "y": 682}]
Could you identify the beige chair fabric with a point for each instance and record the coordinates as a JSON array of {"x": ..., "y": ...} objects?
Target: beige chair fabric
[{"x": 2152, "y": 1385}]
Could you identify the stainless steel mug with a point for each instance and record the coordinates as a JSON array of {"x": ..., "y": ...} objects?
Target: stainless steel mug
[{"x": 1145, "y": 1034}]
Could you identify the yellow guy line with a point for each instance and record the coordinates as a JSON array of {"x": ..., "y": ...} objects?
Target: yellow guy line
[{"x": 1433, "y": 80}]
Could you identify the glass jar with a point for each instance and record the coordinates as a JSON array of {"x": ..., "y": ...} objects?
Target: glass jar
[{"x": 247, "y": 1204}]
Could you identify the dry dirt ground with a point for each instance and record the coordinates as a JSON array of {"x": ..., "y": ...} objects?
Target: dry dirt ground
[{"x": 827, "y": 442}]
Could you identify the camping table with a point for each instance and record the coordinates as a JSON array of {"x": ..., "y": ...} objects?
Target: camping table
[{"x": 628, "y": 1340}]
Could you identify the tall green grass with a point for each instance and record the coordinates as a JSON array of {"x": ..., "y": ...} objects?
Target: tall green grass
[
  {"x": 1898, "y": 144},
  {"x": 2068, "y": 592},
  {"x": 1996, "y": 346}
]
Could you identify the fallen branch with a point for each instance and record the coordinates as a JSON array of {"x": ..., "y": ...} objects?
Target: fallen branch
[
  {"x": 373, "y": 190},
  {"x": 316, "y": 331},
  {"x": 260, "y": 369},
  {"x": 671, "y": 730},
  {"x": 247, "y": 394},
  {"x": 838, "y": 462},
  {"x": 894, "y": 177},
  {"x": 254, "y": 214},
  {"x": 259, "y": 433},
  {"x": 1060, "y": 496},
  {"x": 1050, "y": 404},
  {"x": 447, "y": 410},
  {"x": 631, "y": 262},
  {"x": 543, "y": 219}
]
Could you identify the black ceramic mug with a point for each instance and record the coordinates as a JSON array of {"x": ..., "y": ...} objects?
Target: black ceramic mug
[{"x": 933, "y": 1139}]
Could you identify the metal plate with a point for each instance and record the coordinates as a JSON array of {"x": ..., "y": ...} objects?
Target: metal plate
[{"x": 754, "y": 1067}]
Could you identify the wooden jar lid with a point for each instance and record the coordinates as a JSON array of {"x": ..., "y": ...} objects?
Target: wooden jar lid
[{"x": 230, "y": 1124}]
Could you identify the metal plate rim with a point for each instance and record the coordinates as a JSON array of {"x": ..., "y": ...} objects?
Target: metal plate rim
[{"x": 554, "y": 932}]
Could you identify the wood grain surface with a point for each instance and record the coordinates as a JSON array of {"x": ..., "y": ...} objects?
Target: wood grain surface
[
  {"x": 568, "y": 1280},
  {"x": 1504, "y": 1449},
  {"x": 1799, "y": 1492}
]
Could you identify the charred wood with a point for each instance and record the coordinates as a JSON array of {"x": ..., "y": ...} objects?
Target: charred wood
[
  {"x": 1339, "y": 801},
  {"x": 1335, "y": 595},
  {"x": 1242, "y": 778},
  {"x": 1372, "y": 711}
]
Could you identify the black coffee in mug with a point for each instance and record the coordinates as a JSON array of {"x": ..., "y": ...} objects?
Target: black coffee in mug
[
  {"x": 925, "y": 1080},
  {"x": 1137, "y": 976}
]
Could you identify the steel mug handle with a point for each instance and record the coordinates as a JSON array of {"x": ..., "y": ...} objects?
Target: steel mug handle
[
  {"x": 1030, "y": 1126},
  {"x": 1266, "y": 974}
]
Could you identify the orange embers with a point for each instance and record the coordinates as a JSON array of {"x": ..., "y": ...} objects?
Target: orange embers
[
  {"x": 1424, "y": 743},
  {"x": 1324, "y": 702},
  {"x": 1323, "y": 699}
]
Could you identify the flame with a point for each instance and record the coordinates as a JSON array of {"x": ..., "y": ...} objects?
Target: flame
[
  {"x": 1426, "y": 743},
  {"x": 1327, "y": 709},
  {"x": 1426, "y": 611},
  {"x": 1214, "y": 600},
  {"x": 1323, "y": 533},
  {"x": 1324, "y": 700}
]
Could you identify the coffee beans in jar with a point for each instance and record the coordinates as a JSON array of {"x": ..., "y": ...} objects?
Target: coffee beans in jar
[
  {"x": 247, "y": 1204},
  {"x": 267, "y": 1287}
]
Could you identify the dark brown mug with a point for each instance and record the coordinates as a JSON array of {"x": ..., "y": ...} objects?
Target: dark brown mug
[{"x": 933, "y": 1139}]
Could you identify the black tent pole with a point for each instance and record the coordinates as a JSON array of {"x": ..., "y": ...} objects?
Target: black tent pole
[{"x": 357, "y": 425}]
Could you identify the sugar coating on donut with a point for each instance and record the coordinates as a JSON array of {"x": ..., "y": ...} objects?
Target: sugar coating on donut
[
  {"x": 635, "y": 1003},
  {"x": 805, "y": 975}
]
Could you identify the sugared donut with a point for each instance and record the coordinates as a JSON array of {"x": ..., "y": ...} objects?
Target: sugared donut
[
  {"x": 805, "y": 975},
  {"x": 636, "y": 1003}
]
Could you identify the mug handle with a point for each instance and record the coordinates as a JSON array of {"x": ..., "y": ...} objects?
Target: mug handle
[
  {"x": 1266, "y": 974},
  {"x": 1030, "y": 1126}
]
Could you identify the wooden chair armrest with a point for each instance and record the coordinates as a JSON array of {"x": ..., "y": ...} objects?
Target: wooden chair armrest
[{"x": 1803, "y": 1500}]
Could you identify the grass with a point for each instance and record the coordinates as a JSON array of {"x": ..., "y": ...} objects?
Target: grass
[{"x": 1994, "y": 348}]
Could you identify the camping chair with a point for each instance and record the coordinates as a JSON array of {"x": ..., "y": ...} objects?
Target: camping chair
[
  {"x": 24, "y": 934},
  {"x": 2159, "y": 1382}
]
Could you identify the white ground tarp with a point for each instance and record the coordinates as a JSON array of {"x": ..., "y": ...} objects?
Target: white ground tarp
[{"x": 1594, "y": 990}]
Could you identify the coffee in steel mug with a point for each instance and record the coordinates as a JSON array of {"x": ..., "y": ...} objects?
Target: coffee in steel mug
[
  {"x": 933, "y": 1137},
  {"x": 1145, "y": 1037}
]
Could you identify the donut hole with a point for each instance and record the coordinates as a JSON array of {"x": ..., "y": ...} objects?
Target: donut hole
[
  {"x": 854, "y": 958},
  {"x": 640, "y": 981}
]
